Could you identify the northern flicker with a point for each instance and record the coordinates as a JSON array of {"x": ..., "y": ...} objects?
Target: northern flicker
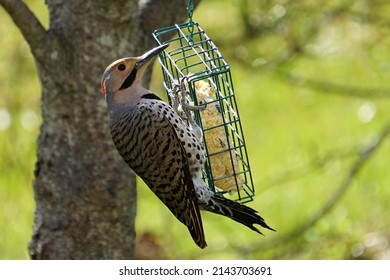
[{"x": 162, "y": 149}]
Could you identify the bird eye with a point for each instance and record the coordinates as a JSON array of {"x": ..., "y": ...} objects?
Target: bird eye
[{"x": 121, "y": 67}]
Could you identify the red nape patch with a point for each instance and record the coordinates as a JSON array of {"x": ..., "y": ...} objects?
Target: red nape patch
[{"x": 102, "y": 88}]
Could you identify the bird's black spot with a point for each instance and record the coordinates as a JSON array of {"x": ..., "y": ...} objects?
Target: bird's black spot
[
  {"x": 218, "y": 108},
  {"x": 121, "y": 67}
]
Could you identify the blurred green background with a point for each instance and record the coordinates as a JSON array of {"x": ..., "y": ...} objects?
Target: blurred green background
[{"x": 312, "y": 81}]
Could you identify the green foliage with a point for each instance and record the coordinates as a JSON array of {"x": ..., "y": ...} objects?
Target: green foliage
[{"x": 312, "y": 83}]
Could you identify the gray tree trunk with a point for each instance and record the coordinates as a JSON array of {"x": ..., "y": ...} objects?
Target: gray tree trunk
[{"x": 85, "y": 194}]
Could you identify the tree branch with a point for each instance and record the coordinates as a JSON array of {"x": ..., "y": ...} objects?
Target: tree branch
[
  {"x": 364, "y": 155},
  {"x": 345, "y": 90},
  {"x": 314, "y": 163},
  {"x": 30, "y": 27},
  {"x": 156, "y": 13}
]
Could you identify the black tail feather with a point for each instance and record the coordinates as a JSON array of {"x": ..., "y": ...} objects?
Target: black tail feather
[{"x": 237, "y": 212}]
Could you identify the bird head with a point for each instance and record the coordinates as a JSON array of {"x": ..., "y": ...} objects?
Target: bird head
[{"x": 126, "y": 73}]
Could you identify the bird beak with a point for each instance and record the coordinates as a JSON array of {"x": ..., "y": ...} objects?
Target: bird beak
[{"x": 146, "y": 57}]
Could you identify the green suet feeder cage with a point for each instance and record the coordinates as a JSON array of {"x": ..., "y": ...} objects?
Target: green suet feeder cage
[{"x": 192, "y": 56}]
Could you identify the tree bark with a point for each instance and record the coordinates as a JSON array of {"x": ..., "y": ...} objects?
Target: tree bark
[{"x": 85, "y": 194}]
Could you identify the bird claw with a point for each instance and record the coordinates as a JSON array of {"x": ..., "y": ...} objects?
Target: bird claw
[
  {"x": 180, "y": 99},
  {"x": 200, "y": 107},
  {"x": 174, "y": 93},
  {"x": 179, "y": 95}
]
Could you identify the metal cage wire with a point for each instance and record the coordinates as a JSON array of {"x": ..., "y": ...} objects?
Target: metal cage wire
[{"x": 192, "y": 54}]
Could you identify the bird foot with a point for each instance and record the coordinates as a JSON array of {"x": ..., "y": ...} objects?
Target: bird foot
[
  {"x": 180, "y": 97},
  {"x": 188, "y": 107}
]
